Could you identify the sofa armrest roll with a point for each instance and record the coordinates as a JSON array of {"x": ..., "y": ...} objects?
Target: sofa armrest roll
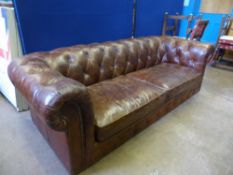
[
  {"x": 46, "y": 90},
  {"x": 188, "y": 53}
]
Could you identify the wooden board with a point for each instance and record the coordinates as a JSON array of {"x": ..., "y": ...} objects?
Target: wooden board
[{"x": 216, "y": 6}]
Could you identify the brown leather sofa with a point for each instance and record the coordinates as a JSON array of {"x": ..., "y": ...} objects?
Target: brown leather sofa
[{"x": 87, "y": 100}]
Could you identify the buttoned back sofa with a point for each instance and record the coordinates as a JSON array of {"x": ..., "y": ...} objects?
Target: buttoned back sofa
[{"x": 88, "y": 99}]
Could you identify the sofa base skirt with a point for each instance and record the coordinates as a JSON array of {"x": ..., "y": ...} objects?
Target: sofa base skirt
[{"x": 60, "y": 141}]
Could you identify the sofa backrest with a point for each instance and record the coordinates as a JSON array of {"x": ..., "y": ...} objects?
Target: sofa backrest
[
  {"x": 97, "y": 62},
  {"x": 90, "y": 64}
]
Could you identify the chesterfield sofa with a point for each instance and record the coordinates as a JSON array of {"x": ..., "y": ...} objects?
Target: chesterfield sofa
[{"x": 87, "y": 100}]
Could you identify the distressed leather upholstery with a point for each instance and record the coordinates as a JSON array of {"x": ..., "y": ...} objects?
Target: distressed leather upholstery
[
  {"x": 156, "y": 85},
  {"x": 135, "y": 90},
  {"x": 130, "y": 95},
  {"x": 94, "y": 63},
  {"x": 88, "y": 99}
]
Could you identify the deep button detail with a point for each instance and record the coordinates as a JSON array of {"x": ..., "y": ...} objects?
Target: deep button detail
[
  {"x": 67, "y": 57},
  {"x": 102, "y": 71},
  {"x": 85, "y": 53},
  {"x": 97, "y": 62}
]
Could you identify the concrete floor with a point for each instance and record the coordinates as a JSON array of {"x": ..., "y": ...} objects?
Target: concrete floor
[{"x": 194, "y": 139}]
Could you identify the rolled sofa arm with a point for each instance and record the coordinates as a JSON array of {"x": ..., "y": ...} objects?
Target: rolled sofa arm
[
  {"x": 46, "y": 90},
  {"x": 188, "y": 53}
]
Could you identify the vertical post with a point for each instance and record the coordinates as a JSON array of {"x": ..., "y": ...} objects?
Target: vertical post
[
  {"x": 228, "y": 25},
  {"x": 165, "y": 24},
  {"x": 199, "y": 16},
  {"x": 134, "y": 19},
  {"x": 176, "y": 25},
  {"x": 223, "y": 26},
  {"x": 188, "y": 31}
]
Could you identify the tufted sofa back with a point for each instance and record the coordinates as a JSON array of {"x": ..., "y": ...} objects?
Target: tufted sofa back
[{"x": 93, "y": 63}]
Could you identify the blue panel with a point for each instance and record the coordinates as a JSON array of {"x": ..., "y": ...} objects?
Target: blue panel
[
  {"x": 192, "y": 8},
  {"x": 150, "y": 14},
  {"x": 48, "y": 24},
  {"x": 213, "y": 28}
]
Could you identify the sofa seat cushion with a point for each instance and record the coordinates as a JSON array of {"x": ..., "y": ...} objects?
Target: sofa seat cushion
[
  {"x": 172, "y": 78},
  {"x": 116, "y": 98},
  {"x": 120, "y": 102}
]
